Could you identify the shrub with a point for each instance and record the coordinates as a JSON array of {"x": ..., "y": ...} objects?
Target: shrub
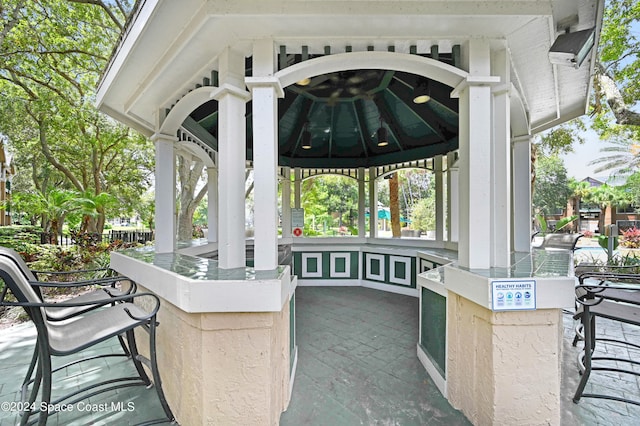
[
  {"x": 631, "y": 238},
  {"x": 18, "y": 237}
]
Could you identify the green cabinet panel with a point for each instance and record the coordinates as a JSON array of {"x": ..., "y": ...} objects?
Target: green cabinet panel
[
  {"x": 433, "y": 337},
  {"x": 292, "y": 330}
]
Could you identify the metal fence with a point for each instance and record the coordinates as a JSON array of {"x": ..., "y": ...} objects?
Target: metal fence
[{"x": 141, "y": 237}]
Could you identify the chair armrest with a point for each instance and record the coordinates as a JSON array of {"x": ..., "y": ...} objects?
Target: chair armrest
[
  {"x": 76, "y": 271},
  {"x": 610, "y": 276},
  {"x": 594, "y": 294},
  {"x": 101, "y": 282},
  {"x": 107, "y": 301},
  {"x": 98, "y": 281}
]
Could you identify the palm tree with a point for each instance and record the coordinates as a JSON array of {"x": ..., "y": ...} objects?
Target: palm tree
[
  {"x": 394, "y": 205},
  {"x": 92, "y": 208},
  {"x": 55, "y": 205},
  {"x": 579, "y": 190},
  {"x": 607, "y": 197},
  {"x": 623, "y": 156}
]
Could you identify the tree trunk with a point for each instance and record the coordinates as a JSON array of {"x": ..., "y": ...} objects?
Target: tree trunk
[
  {"x": 616, "y": 102},
  {"x": 394, "y": 205},
  {"x": 189, "y": 173}
]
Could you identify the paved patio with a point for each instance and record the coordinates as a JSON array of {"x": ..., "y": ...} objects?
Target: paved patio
[{"x": 357, "y": 365}]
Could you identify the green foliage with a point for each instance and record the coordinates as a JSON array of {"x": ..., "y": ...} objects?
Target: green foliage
[
  {"x": 423, "y": 214},
  {"x": 53, "y": 54},
  {"x": 544, "y": 227},
  {"x": 201, "y": 213},
  {"x": 619, "y": 45},
  {"x": 632, "y": 188},
  {"x": 326, "y": 196},
  {"x": 564, "y": 222},
  {"x": 18, "y": 237},
  {"x": 560, "y": 140},
  {"x": 603, "y": 241},
  {"x": 622, "y": 155},
  {"x": 551, "y": 189},
  {"x": 609, "y": 196}
]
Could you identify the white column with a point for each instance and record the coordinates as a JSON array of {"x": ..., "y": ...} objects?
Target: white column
[
  {"x": 501, "y": 164},
  {"x": 361, "y": 203},
  {"x": 286, "y": 203},
  {"x": 165, "y": 193},
  {"x": 373, "y": 203},
  {"x": 453, "y": 195},
  {"x": 265, "y": 91},
  {"x": 438, "y": 172},
  {"x": 522, "y": 193},
  {"x": 212, "y": 204},
  {"x": 475, "y": 159},
  {"x": 297, "y": 188},
  {"x": 231, "y": 98}
]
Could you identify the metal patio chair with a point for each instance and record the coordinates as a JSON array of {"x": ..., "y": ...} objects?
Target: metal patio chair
[
  {"x": 559, "y": 242},
  {"x": 86, "y": 301},
  {"x": 615, "y": 296},
  {"x": 78, "y": 333}
]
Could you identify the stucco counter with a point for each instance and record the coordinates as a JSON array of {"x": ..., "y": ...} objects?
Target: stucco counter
[
  {"x": 498, "y": 363},
  {"x": 226, "y": 340}
]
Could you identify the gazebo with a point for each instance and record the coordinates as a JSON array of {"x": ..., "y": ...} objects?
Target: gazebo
[{"x": 360, "y": 89}]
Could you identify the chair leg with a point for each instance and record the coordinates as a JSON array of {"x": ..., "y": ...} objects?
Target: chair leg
[
  {"x": 124, "y": 346},
  {"x": 589, "y": 344},
  {"x": 37, "y": 380},
  {"x": 135, "y": 357},
  {"x": 154, "y": 369},
  {"x": 46, "y": 386},
  {"x": 32, "y": 366}
]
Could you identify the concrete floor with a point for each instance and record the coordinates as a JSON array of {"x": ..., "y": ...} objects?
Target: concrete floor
[
  {"x": 357, "y": 362},
  {"x": 357, "y": 365}
]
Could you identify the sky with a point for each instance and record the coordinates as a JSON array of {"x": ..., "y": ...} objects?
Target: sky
[{"x": 577, "y": 162}]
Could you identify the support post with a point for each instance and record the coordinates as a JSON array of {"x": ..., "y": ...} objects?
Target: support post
[
  {"x": 286, "y": 203},
  {"x": 475, "y": 159},
  {"x": 231, "y": 98},
  {"x": 453, "y": 194},
  {"x": 361, "y": 203},
  {"x": 265, "y": 90},
  {"x": 373, "y": 203},
  {"x": 521, "y": 151},
  {"x": 212, "y": 204},
  {"x": 440, "y": 222},
  {"x": 297, "y": 187},
  {"x": 165, "y": 193},
  {"x": 501, "y": 164}
]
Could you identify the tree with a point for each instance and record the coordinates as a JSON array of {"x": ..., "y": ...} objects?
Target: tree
[
  {"x": 632, "y": 187},
  {"x": 613, "y": 109},
  {"x": 608, "y": 197},
  {"x": 623, "y": 156},
  {"x": 423, "y": 214},
  {"x": 394, "y": 205},
  {"x": 55, "y": 205},
  {"x": 53, "y": 53},
  {"x": 190, "y": 173},
  {"x": 326, "y": 196},
  {"x": 580, "y": 190},
  {"x": 551, "y": 189},
  {"x": 618, "y": 68}
]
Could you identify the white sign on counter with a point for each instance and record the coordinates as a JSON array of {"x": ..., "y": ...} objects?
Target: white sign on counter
[{"x": 513, "y": 295}]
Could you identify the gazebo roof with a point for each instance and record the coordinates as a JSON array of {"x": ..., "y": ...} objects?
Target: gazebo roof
[
  {"x": 342, "y": 111},
  {"x": 171, "y": 48}
]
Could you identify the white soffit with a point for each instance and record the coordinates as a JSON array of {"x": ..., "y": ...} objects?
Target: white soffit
[{"x": 176, "y": 43}]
